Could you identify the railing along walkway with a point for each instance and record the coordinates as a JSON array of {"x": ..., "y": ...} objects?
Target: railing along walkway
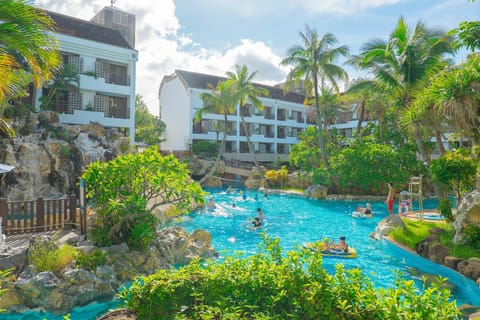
[{"x": 40, "y": 215}]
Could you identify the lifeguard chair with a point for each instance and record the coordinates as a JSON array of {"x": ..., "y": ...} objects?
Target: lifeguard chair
[{"x": 415, "y": 192}]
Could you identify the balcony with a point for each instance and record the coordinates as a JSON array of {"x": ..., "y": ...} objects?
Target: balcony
[
  {"x": 112, "y": 107},
  {"x": 112, "y": 73},
  {"x": 67, "y": 101},
  {"x": 269, "y": 116},
  {"x": 281, "y": 115}
]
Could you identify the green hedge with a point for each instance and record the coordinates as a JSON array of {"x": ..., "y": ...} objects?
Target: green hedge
[{"x": 273, "y": 285}]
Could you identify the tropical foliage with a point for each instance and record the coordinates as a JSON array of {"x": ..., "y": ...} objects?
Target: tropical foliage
[
  {"x": 366, "y": 167},
  {"x": 456, "y": 171},
  {"x": 314, "y": 68},
  {"x": 273, "y": 285},
  {"x": 219, "y": 101},
  {"x": 46, "y": 256},
  {"x": 126, "y": 190},
  {"x": 148, "y": 128},
  {"x": 277, "y": 178},
  {"x": 27, "y": 51},
  {"x": 245, "y": 93}
]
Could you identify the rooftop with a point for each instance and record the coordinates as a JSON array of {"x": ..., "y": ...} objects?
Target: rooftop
[
  {"x": 87, "y": 30},
  {"x": 201, "y": 81}
]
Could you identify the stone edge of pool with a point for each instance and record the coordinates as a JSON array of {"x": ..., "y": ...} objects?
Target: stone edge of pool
[{"x": 416, "y": 261}]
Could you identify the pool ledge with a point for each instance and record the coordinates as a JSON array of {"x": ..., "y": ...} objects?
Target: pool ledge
[{"x": 428, "y": 266}]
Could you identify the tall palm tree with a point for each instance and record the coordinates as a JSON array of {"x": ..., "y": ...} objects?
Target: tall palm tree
[
  {"x": 245, "y": 91},
  {"x": 401, "y": 64},
  {"x": 454, "y": 94},
  {"x": 367, "y": 99},
  {"x": 219, "y": 101},
  {"x": 313, "y": 63},
  {"x": 27, "y": 50}
]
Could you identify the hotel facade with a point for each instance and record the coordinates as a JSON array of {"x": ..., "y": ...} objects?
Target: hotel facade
[{"x": 102, "y": 52}]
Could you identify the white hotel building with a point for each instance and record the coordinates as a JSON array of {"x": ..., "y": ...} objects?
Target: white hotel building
[
  {"x": 103, "y": 52},
  {"x": 273, "y": 130}
]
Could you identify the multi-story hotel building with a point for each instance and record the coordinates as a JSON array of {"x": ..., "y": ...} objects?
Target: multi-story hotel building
[
  {"x": 102, "y": 51},
  {"x": 273, "y": 130}
]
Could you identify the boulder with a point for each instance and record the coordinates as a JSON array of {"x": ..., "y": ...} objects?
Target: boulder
[
  {"x": 468, "y": 212},
  {"x": 432, "y": 249},
  {"x": 386, "y": 225},
  {"x": 299, "y": 180},
  {"x": 256, "y": 178},
  {"x": 452, "y": 262},
  {"x": 316, "y": 192},
  {"x": 470, "y": 268}
]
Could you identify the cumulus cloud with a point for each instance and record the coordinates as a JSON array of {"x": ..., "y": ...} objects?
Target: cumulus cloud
[{"x": 163, "y": 47}]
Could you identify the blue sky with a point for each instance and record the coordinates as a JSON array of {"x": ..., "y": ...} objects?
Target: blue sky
[{"x": 211, "y": 36}]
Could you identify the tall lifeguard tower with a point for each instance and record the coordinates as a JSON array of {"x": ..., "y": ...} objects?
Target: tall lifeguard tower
[{"x": 414, "y": 193}]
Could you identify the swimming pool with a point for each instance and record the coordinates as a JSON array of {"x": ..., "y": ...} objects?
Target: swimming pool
[{"x": 296, "y": 220}]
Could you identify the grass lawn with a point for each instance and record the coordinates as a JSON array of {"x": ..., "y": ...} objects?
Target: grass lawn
[{"x": 416, "y": 231}]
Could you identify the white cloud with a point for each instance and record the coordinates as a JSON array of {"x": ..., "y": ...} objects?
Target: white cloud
[{"x": 163, "y": 48}]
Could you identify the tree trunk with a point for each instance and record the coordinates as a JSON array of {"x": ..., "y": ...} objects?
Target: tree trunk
[
  {"x": 425, "y": 157},
  {"x": 250, "y": 147},
  {"x": 221, "y": 151},
  {"x": 321, "y": 141},
  {"x": 360, "y": 119},
  {"x": 438, "y": 141}
]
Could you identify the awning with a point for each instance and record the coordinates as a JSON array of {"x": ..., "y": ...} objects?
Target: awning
[{"x": 5, "y": 168}]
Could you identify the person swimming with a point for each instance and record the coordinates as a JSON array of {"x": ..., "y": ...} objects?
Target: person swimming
[
  {"x": 260, "y": 215},
  {"x": 210, "y": 204},
  {"x": 255, "y": 224}
]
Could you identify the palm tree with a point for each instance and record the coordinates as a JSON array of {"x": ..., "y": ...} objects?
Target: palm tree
[
  {"x": 27, "y": 50},
  {"x": 219, "y": 101},
  {"x": 367, "y": 99},
  {"x": 313, "y": 63},
  {"x": 454, "y": 94},
  {"x": 245, "y": 91},
  {"x": 401, "y": 63}
]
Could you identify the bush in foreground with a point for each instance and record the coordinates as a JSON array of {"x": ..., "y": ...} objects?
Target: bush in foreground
[{"x": 273, "y": 285}]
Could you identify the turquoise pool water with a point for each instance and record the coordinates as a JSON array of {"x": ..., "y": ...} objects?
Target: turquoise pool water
[{"x": 296, "y": 220}]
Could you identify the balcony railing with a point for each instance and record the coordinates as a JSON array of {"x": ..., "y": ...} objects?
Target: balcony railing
[{"x": 113, "y": 74}]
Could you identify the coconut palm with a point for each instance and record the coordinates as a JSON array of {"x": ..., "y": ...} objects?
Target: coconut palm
[
  {"x": 313, "y": 64},
  {"x": 366, "y": 98},
  {"x": 455, "y": 95},
  {"x": 245, "y": 91},
  {"x": 401, "y": 63},
  {"x": 219, "y": 101},
  {"x": 27, "y": 50}
]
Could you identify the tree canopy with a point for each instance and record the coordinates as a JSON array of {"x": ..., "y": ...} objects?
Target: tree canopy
[
  {"x": 126, "y": 190},
  {"x": 148, "y": 128}
]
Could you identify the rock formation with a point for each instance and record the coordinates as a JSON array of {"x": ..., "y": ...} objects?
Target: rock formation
[
  {"x": 468, "y": 212},
  {"x": 49, "y": 157},
  {"x": 59, "y": 292}
]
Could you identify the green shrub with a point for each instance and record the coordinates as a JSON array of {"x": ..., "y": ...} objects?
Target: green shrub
[
  {"x": 471, "y": 234},
  {"x": 445, "y": 208},
  {"x": 277, "y": 178},
  {"x": 65, "y": 152},
  {"x": 273, "y": 285},
  {"x": 205, "y": 148},
  {"x": 141, "y": 234},
  {"x": 46, "y": 256},
  {"x": 91, "y": 260}
]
